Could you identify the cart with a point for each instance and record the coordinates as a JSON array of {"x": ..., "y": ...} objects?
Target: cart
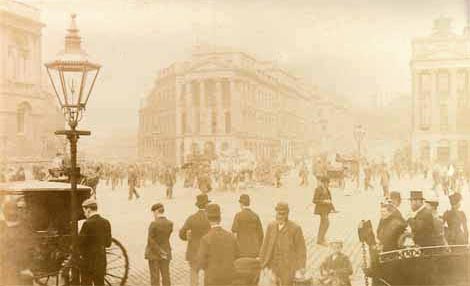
[{"x": 45, "y": 208}]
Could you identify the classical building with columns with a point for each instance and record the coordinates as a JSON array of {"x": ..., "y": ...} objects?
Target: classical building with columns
[
  {"x": 440, "y": 68},
  {"x": 224, "y": 99},
  {"x": 28, "y": 113}
]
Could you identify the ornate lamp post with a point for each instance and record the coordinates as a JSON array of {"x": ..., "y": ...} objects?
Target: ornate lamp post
[
  {"x": 73, "y": 76},
  {"x": 359, "y": 134}
]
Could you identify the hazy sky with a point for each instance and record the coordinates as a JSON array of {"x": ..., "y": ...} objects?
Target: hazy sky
[{"x": 352, "y": 47}]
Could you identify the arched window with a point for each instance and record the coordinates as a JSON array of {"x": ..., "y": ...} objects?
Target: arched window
[{"x": 23, "y": 118}]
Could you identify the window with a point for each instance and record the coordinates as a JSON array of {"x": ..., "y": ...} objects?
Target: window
[
  {"x": 462, "y": 93},
  {"x": 425, "y": 151},
  {"x": 443, "y": 84},
  {"x": 183, "y": 123},
  {"x": 198, "y": 121},
  {"x": 22, "y": 118},
  {"x": 214, "y": 122},
  {"x": 444, "y": 116}
]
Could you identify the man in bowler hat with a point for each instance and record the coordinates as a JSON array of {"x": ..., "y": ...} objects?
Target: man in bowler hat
[
  {"x": 94, "y": 238},
  {"x": 194, "y": 228},
  {"x": 158, "y": 249},
  {"x": 217, "y": 252},
  {"x": 284, "y": 250},
  {"x": 248, "y": 229}
]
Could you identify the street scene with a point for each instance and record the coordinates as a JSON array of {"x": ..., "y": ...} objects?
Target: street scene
[{"x": 217, "y": 143}]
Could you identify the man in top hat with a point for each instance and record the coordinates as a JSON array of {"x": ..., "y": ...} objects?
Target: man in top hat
[
  {"x": 323, "y": 206},
  {"x": 217, "y": 252},
  {"x": 421, "y": 220},
  {"x": 248, "y": 229},
  {"x": 158, "y": 249},
  {"x": 94, "y": 238},
  {"x": 16, "y": 244},
  {"x": 336, "y": 266},
  {"x": 284, "y": 250},
  {"x": 194, "y": 228},
  {"x": 395, "y": 201}
]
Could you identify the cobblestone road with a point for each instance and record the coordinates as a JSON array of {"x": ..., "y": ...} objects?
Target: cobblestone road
[{"x": 130, "y": 219}]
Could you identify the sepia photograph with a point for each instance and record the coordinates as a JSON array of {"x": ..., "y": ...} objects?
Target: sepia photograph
[{"x": 234, "y": 142}]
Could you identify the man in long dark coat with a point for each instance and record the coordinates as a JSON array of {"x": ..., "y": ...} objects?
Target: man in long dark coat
[
  {"x": 195, "y": 227},
  {"x": 158, "y": 249},
  {"x": 94, "y": 238},
  {"x": 422, "y": 220},
  {"x": 323, "y": 206},
  {"x": 217, "y": 252},
  {"x": 283, "y": 250},
  {"x": 390, "y": 228},
  {"x": 248, "y": 229},
  {"x": 422, "y": 228}
]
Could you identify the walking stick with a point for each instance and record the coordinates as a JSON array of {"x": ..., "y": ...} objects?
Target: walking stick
[{"x": 364, "y": 259}]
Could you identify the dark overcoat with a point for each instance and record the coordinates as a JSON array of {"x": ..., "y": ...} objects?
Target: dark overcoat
[
  {"x": 158, "y": 241},
  {"x": 320, "y": 198},
  {"x": 422, "y": 227},
  {"x": 247, "y": 226},
  {"x": 199, "y": 225},
  {"x": 217, "y": 254},
  {"x": 389, "y": 232},
  {"x": 94, "y": 238}
]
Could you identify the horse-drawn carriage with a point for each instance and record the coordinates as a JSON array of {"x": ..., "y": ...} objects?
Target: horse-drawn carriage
[
  {"x": 412, "y": 264},
  {"x": 45, "y": 209},
  {"x": 340, "y": 169}
]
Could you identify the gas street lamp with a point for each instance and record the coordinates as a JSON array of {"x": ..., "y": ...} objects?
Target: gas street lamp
[
  {"x": 359, "y": 134},
  {"x": 73, "y": 77}
]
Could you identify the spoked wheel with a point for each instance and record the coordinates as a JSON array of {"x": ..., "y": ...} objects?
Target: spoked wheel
[
  {"x": 117, "y": 267},
  {"x": 46, "y": 280}
]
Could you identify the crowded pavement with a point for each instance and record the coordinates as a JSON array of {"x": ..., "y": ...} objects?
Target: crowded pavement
[{"x": 130, "y": 219}]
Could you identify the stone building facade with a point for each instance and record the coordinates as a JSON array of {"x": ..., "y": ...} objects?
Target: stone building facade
[
  {"x": 440, "y": 68},
  {"x": 225, "y": 99},
  {"x": 28, "y": 113}
]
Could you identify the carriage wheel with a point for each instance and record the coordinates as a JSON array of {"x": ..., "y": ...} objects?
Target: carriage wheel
[
  {"x": 46, "y": 280},
  {"x": 117, "y": 267}
]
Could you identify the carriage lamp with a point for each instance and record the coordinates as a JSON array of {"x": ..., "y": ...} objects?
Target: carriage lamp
[{"x": 72, "y": 75}]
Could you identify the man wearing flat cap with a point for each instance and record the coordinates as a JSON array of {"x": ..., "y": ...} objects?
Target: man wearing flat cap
[
  {"x": 194, "y": 228},
  {"x": 248, "y": 229},
  {"x": 421, "y": 220},
  {"x": 217, "y": 252},
  {"x": 158, "y": 249},
  {"x": 94, "y": 238},
  {"x": 284, "y": 250}
]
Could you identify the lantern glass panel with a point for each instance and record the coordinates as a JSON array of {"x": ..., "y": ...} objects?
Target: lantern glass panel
[{"x": 54, "y": 76}]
